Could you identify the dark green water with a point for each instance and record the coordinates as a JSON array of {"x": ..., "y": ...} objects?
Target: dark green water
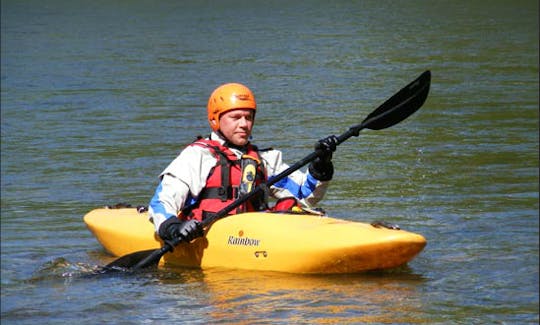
[{"x": 96, "y": 99}]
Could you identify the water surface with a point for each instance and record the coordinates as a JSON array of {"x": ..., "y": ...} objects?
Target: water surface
[{"x": 97, "y": 98}]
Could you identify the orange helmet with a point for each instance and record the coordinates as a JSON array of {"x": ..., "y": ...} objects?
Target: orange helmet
[{"x": 226, "y": 98}]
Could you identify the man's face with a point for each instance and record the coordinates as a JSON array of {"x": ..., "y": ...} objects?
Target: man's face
[{"x": 236, "y": 125}]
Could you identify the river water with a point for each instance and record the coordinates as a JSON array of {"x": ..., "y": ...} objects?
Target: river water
[{"x": 97, "y": 97}]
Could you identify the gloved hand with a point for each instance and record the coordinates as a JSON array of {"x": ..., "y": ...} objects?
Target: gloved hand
[
  {"x": 327, "y": 145},
  {"x": 321, "y": 167},
  {"x": 173, "y": 228}
]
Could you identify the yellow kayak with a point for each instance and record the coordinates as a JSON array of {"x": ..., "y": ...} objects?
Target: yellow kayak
[{"x": 296, "y": 243}]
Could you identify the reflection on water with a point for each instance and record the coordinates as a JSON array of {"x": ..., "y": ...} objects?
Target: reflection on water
[
  {"x": 248, "y": 296},
  {"x": 238, "y": 296}
]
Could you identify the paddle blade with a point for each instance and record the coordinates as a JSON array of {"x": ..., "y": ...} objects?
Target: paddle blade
[
  {"x": 153, "y": 258},
  {"x": 130, "y": 260},
  {"x": 400, "y": 106}
]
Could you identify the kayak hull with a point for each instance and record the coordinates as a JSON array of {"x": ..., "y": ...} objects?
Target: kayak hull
[{"x": 296, "y": 243}]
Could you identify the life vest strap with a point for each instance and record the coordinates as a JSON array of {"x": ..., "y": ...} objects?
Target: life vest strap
[{"x": 221, "y": 192}]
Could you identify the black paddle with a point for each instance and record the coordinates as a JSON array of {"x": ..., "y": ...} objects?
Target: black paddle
[{"x": 397, "y": 108}]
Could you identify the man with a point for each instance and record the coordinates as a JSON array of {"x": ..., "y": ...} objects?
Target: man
[{"x": 211, "y": 173}]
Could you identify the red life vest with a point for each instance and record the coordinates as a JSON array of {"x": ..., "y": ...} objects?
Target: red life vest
[{"x": 224, "y": 182}]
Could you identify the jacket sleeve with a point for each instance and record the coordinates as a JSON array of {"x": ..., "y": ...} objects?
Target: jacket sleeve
[
  {"x": 302, "y": 185},
  {"x": 180, "y": 183}
]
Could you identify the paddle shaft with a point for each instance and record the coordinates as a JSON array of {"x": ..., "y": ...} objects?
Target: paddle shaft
[
  {"x": 261, "y": 188},
  {"x": 400, "y": 106},
  {"x": 397, "y": 108},
  {"x": 168, "y": 246}
]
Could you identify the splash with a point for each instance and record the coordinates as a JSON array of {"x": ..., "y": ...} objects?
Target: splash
[{"x": 61, "y": 268}]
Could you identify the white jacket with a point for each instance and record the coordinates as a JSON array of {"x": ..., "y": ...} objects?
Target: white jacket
[{"x": 185, "y": 177}]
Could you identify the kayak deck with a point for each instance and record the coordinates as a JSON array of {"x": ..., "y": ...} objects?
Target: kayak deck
[{"x": 296, "y": 243}]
